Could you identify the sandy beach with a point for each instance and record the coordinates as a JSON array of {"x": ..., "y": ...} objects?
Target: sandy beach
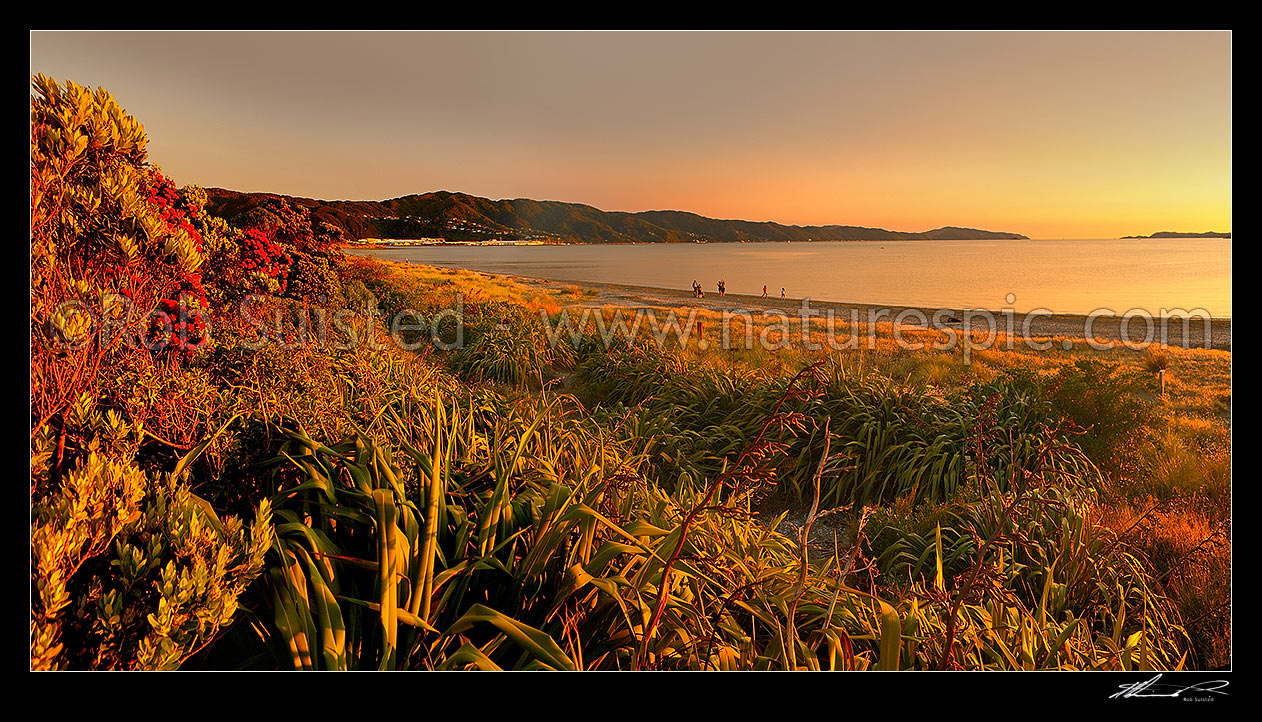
[{"x": 1066, "y": 326}]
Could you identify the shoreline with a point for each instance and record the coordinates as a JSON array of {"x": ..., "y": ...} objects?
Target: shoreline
[
  {"x": 1042, "y": 327},
  {"x": 484, "y": 244}
]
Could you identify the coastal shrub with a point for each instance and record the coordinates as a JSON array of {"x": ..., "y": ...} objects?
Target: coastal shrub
[
  {"x": 895, "y": 439},
  {"x": 1045, "y": 548},
  {"x": 1096, "y": 405},
  {"x": 903, "y": 539},
  {"x": 110, "y": 241},
  {"x": 625, "y": 373},
  {"x": 130, "y": 570},
  {"x": 506, "y": 343},
  {"x": 1102, "y": 400},
  {"x": 455, "y": 516},
  {"x": 314, "y": 279},
  {"x": 275, "y": 249},
  {"x": 224, "y": 273},
  {"x": 265, "y": 262}
]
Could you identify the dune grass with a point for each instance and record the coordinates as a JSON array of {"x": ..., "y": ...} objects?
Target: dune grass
[
  {"x": 1178, "y": 457},
  {"x": 671, "y": 419}
]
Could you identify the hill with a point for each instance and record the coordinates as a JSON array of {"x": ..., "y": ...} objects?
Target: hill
[
  {"x": 462, "y": 217},
  {"x": 1179, "y": 234}
]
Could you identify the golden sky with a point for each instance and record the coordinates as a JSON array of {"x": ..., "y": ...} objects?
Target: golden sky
[{"x": 1053, "y": 135}]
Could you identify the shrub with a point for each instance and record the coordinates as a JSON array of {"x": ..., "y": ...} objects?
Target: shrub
[
  {"x": 130, "y": 570},
  {"x": 264, "y": 262},
  {"x": 109, "y": 240},
  {"x": 1097, "y": 403},
  {"x": 315, "y": 279},
  {"x": 1102, "y": 400}
]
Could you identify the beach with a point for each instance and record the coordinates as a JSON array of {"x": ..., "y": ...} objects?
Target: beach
[{"x": 1104, "y": 329}]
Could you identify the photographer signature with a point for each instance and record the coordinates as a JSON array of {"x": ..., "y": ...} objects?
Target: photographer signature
[{"x": 1150, "y": 688}]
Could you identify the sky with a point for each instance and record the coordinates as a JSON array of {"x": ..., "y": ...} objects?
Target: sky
[{"x": 1052, "y": 135}]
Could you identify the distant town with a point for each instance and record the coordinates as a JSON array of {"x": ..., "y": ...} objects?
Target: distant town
[{"x": 443, "y": 242}]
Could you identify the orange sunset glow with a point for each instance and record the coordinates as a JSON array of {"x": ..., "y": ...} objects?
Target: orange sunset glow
[{"x": 1053, "y": 135}]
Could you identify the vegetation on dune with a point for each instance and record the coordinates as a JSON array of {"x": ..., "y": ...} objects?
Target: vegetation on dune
[{"x": 255, "y": 486}]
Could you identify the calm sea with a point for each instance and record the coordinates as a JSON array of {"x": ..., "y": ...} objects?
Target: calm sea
[{"x": 1063, "y": 276}]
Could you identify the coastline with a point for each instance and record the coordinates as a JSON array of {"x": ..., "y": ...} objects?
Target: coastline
[
  {"x": 1104, "y": 328},
  {"x": 345, "y": 246}
]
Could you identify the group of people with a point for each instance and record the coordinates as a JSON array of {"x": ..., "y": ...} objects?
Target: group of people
[{"x": 697, "y": 292}]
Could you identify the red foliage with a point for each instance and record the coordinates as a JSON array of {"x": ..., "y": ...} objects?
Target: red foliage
[
  {"x": 259, "y": 254},
  {"x": 290, "y": 223},
  {"x": 178, "y": 324},
  {"x": 174, "y": 210}
]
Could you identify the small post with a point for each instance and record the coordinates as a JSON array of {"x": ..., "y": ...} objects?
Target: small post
[{"x": 1161, "y": 375}]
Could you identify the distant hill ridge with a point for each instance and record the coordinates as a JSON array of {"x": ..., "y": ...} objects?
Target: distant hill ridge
[
  {"x": 1180, "y": 234},
  {"x": 459, "y": 216}
]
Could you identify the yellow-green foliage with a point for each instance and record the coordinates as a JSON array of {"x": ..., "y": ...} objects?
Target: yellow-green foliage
[
  {"x": 87, "y": 195},
  {"x": 130, "y": 569}
]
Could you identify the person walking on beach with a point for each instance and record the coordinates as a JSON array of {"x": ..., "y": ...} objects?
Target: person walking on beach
[
  {"x": 764, "y": 290},
  {"x": 722, "y": 288},
  {"x": 782, "y": 292}
]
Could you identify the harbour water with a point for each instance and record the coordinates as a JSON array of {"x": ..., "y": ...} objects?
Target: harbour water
[{"x": 1062, "y": 276}]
